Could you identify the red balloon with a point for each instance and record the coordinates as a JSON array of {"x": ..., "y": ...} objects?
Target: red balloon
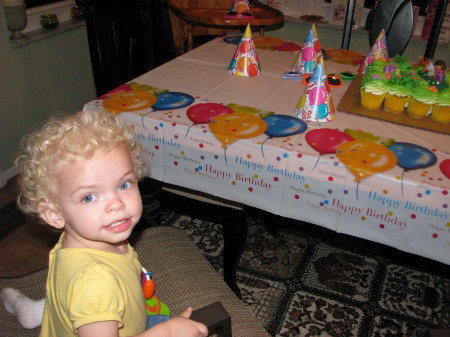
[
  {"x": 245, "y": 47},
  {"x": 326, "y": 141},
  {"x": 202, "y": 113},
  {"x": 445, "y": 167},
  {"x": 252, "y": 69},
  {"x": 317, "y": 46}
]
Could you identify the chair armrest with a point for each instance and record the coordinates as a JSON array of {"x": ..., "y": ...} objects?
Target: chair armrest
[{"x": 215, "y": 317}]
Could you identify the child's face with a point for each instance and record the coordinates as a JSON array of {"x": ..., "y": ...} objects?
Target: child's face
[{"x": 99, "y": 200}]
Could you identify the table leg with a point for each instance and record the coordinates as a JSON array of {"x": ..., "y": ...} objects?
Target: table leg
[
  {"x": 190, "y": 38},
  {"x": 261, "y": 30},
  {"x": 234, "y": 237},
  {"x": 272, "y": 222},
  {"x": 234, "y": 221}
]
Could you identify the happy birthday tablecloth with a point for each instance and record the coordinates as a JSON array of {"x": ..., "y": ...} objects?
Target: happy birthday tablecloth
[{"x": 238, "y": 138}]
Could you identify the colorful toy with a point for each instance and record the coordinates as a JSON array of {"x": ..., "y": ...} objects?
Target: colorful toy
[
  {"x": 153, "y": 304},
  {"x": 239, "y": 10}
]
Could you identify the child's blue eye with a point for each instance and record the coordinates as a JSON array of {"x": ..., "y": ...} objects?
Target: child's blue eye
[
  {"x": 125, "y": 185},
  {"x": 88, "y": 198}
]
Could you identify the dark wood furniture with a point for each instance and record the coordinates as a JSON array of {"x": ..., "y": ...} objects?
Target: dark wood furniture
[{"x": 191, "y": 18}]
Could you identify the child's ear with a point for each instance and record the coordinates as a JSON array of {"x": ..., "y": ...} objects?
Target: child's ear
[{"x": 50, "y": 213}]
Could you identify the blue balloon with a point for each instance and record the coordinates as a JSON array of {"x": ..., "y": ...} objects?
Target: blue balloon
[
  {"x": 284, "y": 126},
  {"x": 318, "y": 73},
  {"x": 172, "y": 100},
  {"x": 322, "y": 111},
  {"x": 309, "y": 66},
  {"x": 232, "y": 64},
  {"x": 412, "y": 156},
  {"x": 310, "y": 36}
]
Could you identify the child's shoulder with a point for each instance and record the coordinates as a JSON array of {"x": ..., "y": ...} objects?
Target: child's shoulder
[{"x": 74, "y": 265}]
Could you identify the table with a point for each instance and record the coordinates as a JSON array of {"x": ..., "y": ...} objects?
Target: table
[
  {"x": 185, "y": 17},
  {"x": 286, "y": 175}
]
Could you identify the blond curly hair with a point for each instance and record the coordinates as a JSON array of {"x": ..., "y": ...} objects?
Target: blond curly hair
[{"x": 67, "y": 138}]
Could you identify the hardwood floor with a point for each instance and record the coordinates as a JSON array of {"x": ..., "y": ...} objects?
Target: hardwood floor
[{"x": 24, "y": 246}]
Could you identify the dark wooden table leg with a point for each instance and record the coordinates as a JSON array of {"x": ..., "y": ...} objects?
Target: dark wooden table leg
[{"x": 234, "y": 237}]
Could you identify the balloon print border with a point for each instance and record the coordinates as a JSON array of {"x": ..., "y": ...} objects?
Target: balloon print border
[{"x": 229, "y": 125}]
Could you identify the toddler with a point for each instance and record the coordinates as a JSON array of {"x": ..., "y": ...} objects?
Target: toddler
[{"x": 80, "y": 175}]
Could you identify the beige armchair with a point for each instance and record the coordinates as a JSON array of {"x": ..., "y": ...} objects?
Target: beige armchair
[{"x": 182, "y": 275}]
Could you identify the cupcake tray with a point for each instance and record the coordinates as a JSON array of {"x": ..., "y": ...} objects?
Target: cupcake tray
[{"x": 351, "y": 103}]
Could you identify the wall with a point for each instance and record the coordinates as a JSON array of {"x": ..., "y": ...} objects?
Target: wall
[
  {"x": 330, "y": 37},
  {"x": 38, "y": 80}
]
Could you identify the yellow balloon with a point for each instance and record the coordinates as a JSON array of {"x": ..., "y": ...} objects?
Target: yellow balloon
[
  {"x": 364, "y": 158},
  {"x": 237, "y": 125},
  {"x": 128, "y": 101},
  {"x": 301, "y": 102}
]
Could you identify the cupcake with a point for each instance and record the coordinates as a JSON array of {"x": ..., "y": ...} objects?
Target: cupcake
[
  {"x": 421, "y": 100},
  {"x": 441, "y": 107},
  {"x": 376, "y": 68},
  {"x": 373, "y": 90},
  {"x": 398, "y": 92}
]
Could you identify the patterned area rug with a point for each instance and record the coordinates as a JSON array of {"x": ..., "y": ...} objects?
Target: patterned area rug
[{"x": 310, "y": 281}]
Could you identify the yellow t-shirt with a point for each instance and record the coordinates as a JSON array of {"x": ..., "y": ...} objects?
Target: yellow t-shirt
[{"x": 88, "y": 285}]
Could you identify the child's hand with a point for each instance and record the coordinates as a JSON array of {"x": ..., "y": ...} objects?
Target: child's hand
[
  {"x": 183, "y": 326},
  {"x": 179, "y": 326}
]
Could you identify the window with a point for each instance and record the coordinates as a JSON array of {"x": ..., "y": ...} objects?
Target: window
[
  {"x": 38, "y": 7},
  {"x": 36, "y": 3},
  {"x": 322, "y": 7}
]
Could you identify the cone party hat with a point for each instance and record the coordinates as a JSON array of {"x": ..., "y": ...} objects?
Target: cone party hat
[
  {"x": 316, "y": 104},
  {"x": 245, "y": 61},
  {"x": 378, "y": 51},
  {"x": 309, "y": 53}
]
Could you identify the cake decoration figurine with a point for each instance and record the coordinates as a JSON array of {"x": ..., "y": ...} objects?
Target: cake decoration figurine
[
  {"x": 378, "y": 51},
  {"x": 439, "y": 71},
  {"x": 245, "y": 61},
  {"x": 239, "y": 10},
  {"x": 433, "y": 73},
  {"x": 316, "y": 104},
  {"x": 307, "y": 57}
]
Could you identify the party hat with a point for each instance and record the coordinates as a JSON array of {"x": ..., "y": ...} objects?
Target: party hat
[
  {"x": 245, "y": 61},
  {"x": 316, "y": 104},
  {"x": 378, "y": 51},
  {"x": 309, "y": 53},
  {"x": 240, "y": 6},
  {"x": 240, "y": 9}
]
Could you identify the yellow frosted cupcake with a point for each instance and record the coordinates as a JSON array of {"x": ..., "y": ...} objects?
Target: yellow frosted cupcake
[
  {"x": 373, "y": 90},
  {"x": 441, "y": 108},
  {"x": 421, "y": 101},
  {"x": 395, "y": 100}
]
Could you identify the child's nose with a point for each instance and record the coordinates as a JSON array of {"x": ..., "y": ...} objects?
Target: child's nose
[{"x": 115, "y": 204}]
